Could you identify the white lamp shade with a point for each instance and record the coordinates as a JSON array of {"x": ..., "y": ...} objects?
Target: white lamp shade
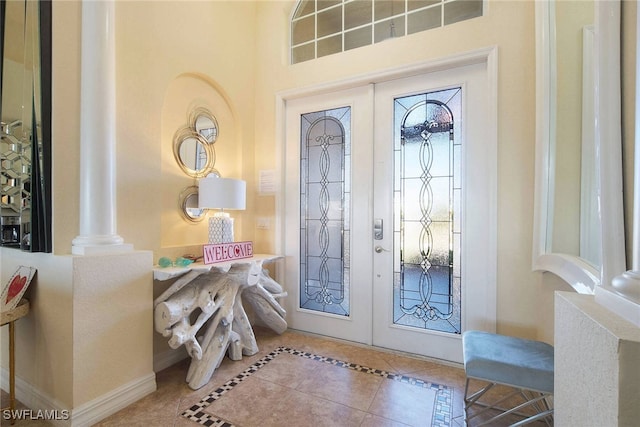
[{"x": 222, "y": 193}]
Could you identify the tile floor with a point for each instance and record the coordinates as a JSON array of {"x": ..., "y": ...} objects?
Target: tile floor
[{"x": 294, "y": 389}]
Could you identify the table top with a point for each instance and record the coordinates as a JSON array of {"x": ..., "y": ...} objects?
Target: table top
[
  {"x": 168, "y": 273},
  {"x": 20, "y": 311},
  {"x": 187, "y": 274}
]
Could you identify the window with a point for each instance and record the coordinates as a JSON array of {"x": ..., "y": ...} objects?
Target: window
[
  {"x": 324, "y": 27},
  {"x": 427, "y": 194},
  {"x": 325, "y": 149}
]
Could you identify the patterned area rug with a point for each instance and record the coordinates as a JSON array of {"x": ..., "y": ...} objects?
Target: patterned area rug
[{"x": 442, "y": 411}]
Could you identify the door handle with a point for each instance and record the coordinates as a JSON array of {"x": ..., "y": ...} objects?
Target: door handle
[{"x": 380, "y": 249}]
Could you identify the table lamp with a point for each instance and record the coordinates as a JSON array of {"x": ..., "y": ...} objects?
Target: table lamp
[{"x": 221, "y": 193}]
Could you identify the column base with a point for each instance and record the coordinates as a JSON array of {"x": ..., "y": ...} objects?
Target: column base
[{"x": 99, "y": 245}]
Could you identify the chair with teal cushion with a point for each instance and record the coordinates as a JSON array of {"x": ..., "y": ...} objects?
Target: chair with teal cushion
[{"x": 522, "y": 364}]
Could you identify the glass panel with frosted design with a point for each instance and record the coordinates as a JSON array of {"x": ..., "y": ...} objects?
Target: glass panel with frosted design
[
  {"x": 388, "y": 8},
  {"x": 357, "y": 13},
  {"x": 303, "y": 30},
  {"x": 460, "y": 10},
  {"x": 329, "y": 45},
  {"x": 330, "y": 21},
  {"x": 389, "y": 29},
  {"x": 324, "y": 4},
  {"x": 357, "y": 38},
  {"x": 427, "y": 208},
  {"x": 304, "y": 52},
  {"x": 419, "y": 4},
  {"x": 324, "y": 210},
  {"x": 304, "y": 8},
  {"x": 423, "y": 20}
]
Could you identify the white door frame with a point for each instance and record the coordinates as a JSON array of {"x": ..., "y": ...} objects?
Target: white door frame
[
  {"x": 356, "y": 326},
  {"x": 486, "y": 55}
]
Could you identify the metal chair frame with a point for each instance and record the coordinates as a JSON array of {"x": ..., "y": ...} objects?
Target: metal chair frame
[{"x": 536, "y": 399}]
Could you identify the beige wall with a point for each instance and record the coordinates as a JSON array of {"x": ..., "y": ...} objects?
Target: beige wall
[
  {"x": 508, "y": 25},
  {"x": 44, "y": 338},
  {"x": 169, "y": 55},
  {"x": 159, "y": 46},
  {"x": 234, "y": 56}
]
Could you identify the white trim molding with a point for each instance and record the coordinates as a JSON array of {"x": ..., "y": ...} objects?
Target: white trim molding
[
  {"x": 487, "y": 55},
  {"x": 576, "y": 271},
  {"x": 88, "y": 413},
  {"x": 623, "y": 295},
  {"x": 110, "y": 403}
]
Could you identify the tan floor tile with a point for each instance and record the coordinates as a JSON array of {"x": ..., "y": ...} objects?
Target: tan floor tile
[
  {"x": 262, "y": 403},
  {"x": 405, "y": 403},
  {"x": 371, "y": 420},
  {"x": 286, "y": 369},
  {"x": 292, "y": 390},
  {"x": 341, "y": 385},
  {"x": 161, "y": 404}
]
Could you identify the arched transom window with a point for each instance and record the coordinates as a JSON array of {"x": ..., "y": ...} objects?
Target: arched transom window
[{"x": 324, "y": 27}]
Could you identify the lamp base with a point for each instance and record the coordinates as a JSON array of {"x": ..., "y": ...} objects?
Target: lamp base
[{"x": 220, "y": 228}]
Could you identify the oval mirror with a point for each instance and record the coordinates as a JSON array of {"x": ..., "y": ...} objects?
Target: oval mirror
[
  {"x": 193, "y": 153},
  {"x": 205, "y": 124},
  {"x": 188, "y": 202}
]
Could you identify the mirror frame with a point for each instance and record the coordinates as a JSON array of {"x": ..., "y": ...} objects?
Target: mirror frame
[
  {"x": 183, "y": 199},
  {"x": 581, "y": 275},
  {"x": 188, "y": 133},
  {"x": 40, "y": 236},
  {"x": 202, "y": 112}
]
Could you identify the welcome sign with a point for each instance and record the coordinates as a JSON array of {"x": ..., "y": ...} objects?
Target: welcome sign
[
  {"x": 221, "y": 252},
  {"x": 16, "y": 287}
]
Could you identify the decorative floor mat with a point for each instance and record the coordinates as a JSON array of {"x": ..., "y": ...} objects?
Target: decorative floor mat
[{"x": 442, "y": 407}]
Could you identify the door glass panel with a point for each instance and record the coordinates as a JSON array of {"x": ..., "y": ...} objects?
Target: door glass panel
[
  {"x": 427, "y": 209},
  {"x": 325, "y": 196}
]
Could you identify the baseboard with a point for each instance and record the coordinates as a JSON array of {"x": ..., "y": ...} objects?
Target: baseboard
[
  {"x": 110, "y": 403},
  {"x": 36, "y": 400},
  {"x": 88, "y": 413},
  {"x": 162, "y": 361}
]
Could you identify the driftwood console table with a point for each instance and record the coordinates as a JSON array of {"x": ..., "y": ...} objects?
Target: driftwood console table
[{"x": 216, "y": 293}]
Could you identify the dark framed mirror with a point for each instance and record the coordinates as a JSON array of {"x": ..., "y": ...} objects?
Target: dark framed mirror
[{"x": 25, "y": 113}]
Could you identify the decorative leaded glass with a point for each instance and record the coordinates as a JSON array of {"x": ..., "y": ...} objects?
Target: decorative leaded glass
[
  {"x": 325, "y": 155},
  {"x": 427, "y": 210},
  {"x": 354, "y": 23}
]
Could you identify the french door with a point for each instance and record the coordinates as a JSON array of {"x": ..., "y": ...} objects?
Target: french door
[{"x": 389, "y": 202}]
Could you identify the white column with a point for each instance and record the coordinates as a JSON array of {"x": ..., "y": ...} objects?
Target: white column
[{"x": 97, "y": 133}]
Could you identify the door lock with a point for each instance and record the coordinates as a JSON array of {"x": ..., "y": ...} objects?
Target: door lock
[{"x": 377, "y": 229}]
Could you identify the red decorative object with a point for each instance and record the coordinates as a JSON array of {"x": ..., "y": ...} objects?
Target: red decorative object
[
  {"x": 227, "y": 251},
  {"x": 16, "y": 287}
]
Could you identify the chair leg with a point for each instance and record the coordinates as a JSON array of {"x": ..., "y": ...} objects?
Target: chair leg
[
  {"x": 538, "y": 402},
  {"x": 12, "y": 371}
]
